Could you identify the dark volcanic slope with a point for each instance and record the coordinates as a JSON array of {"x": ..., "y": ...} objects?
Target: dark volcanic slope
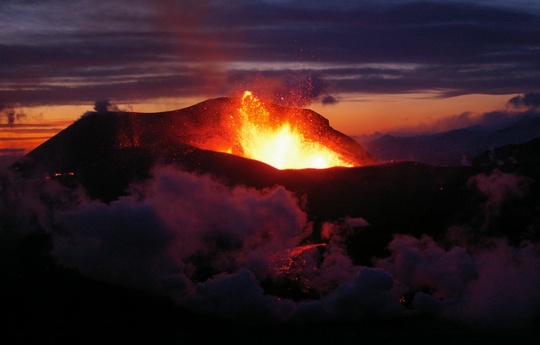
[
  {"x": 210, "y": 125},
  {"x": 115, "y": 148},
  {"x": 107, "y": 152}
]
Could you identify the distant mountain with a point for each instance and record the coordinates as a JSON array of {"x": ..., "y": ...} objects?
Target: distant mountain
[
  {"x": 455, "y": 147},
  {"x": 526, "y": 156}
]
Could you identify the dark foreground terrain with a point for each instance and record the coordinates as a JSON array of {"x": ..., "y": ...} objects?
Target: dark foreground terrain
[
  {"x": 44, "y": 301},
  {"x": 46, "y": 304}
]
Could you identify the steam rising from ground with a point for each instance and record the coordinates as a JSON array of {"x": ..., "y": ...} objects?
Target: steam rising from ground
[
  {"x": 497, "y": 286},
  {"x": 217, "y": 250}
]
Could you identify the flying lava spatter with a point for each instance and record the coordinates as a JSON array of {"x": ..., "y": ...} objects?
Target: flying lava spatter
[{"x": 279, "y": 144}]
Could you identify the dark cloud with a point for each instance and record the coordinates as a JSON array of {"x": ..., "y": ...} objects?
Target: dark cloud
[
  {"x": 11, "y": 115},
  {"x": 183, "y": 49},
  {"x": 490, "y": 120},
  {"x": 529, "y": 99},
  {"x": 329, "y": 99},
  {"x": 105, "y": 105}
]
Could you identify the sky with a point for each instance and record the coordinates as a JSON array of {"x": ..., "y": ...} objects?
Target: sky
[{"x": 369, "y": 66}]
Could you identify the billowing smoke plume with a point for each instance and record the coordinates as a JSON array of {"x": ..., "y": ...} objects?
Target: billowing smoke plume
[
  {"x": 106, "y": 105},
  {"x": 11, "y": 115},
  {"x": 329, "y": 100},
  {"x": 103, "y": 106}
]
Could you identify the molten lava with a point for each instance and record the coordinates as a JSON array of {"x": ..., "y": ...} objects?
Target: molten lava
[
  {"x": 279, "y": 144},
  {"x": 290, "y": 260}
]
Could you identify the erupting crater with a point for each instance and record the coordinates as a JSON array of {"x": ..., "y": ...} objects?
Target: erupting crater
[
  {"x": 263, "y": 137},
  {"x": 122, "y": 146},
  {"x": 285, "y": 138}
]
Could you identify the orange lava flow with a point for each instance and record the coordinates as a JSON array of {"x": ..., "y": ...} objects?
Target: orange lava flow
[
  {"x": 279, "y": 145},
  {"x": 286, "y": 262}
]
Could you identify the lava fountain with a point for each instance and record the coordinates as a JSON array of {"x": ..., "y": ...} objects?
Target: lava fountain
[{"x": 281, "y": 145}]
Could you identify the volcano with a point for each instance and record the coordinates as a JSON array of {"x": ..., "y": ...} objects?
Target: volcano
[
  {"x": 180, "y": 199},
  {"x": 106, "y": 152},
  {"x": 115, "y": 148}
]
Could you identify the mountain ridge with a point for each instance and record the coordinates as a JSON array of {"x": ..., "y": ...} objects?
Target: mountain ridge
[
  {"x": 454, "y": 147},
  {"x": 208, "y": 125},
  {"x": 107, "y": 152}
]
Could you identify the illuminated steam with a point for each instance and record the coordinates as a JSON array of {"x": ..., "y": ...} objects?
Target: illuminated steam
[{"x": 252, "y": 255}]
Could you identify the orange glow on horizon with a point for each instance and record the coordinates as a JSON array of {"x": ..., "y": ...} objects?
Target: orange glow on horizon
[
  {"x": 364, "y": 114},
  {"x": 21, "y": 138},
  {"x": 279, "y": 145},
  {"x": 354, "y": 114}
]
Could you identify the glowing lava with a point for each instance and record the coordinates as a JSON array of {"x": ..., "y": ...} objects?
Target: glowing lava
[
  {"x": 291, "y": 260},
  {"x": 279, "y": 144}
]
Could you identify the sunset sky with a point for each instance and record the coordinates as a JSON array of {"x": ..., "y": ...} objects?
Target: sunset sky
[
  {"x": 367, "y": 66},
  {"x": 288, "y": 246}
]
